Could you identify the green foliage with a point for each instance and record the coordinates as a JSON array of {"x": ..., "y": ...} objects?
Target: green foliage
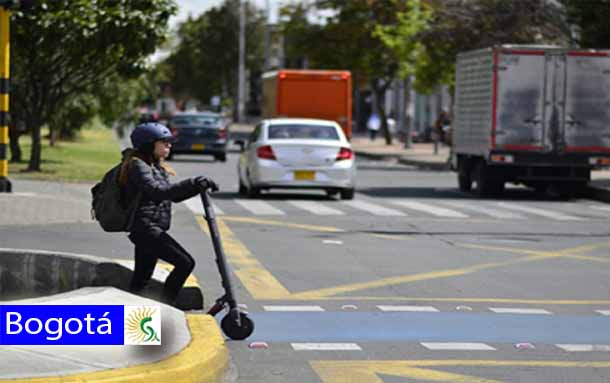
[
  {"x": 402, "y": 36},
  {"x": 591, "y": 19},
  {"x": 205, "y": 61},
  {"x": 63, "y": 48},
  {"x": 462, "y": 25}
]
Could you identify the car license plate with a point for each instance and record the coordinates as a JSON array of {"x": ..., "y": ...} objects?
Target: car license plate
[
  {"x": 197, "y": 146},
  {"x": 304, "y": 175}
]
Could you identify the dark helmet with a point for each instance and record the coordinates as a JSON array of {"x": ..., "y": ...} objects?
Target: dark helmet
[{"x": 144, "y": 135}]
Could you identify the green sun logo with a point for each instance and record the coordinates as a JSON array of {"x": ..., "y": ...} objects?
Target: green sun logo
[{"x": 139, "y": 329}]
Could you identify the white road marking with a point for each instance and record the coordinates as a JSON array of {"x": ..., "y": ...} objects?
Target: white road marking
[
  {"x": 259, "y": 207},
  {"x": 293, "y": 308},
  {"x": 492, "y": 212},
  {"x": 430, "y": 209},
  {"x": 316, "y": 208},
  {"x": 325, "y": 347},
  {"x": 457, "y": 346},
  {"x": 509, "y": 310},
  {"x": 544, "y": 213},
  {"x": 584, "y": 347},
  {"x": 598, "y": 207},
  {"x": 332, "y": 242},
  {"x": 603, "y": 312},
  {"x": 408, "y": 308},
  {"x": 196, "y": 206},
  {"x": 374, "y": 209}
]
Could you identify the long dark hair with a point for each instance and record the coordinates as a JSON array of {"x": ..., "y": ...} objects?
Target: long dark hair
[{"x": 146, "y": 156}]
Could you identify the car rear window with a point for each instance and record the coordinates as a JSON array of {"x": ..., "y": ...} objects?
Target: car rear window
[
  {"x": 196, "y": 120},
  {"x": 289, "y": 131}
]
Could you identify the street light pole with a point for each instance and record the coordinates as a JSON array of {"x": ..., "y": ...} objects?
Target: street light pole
[
  {"x": 241, "y": 75},
  {"x": 5, "y": 15}
]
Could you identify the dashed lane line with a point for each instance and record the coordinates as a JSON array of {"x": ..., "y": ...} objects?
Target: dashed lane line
[
  {"x": 326, "y": 347},
  {"x": 457, "y": 346},
  {"x": 293, "y": 308},
  {"x": 509, "y": 310},
  {"x": 407, "y": 308},
  {"x": 584, "y": 347}
]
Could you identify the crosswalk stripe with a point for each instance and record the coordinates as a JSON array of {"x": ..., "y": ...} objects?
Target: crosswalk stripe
[
  {"x": 325, "y": 347},
  {"x": 373, "y": 208},
  {"x": 509, "y": 310},
  {"x": 584, "y": 347},
  {"x": 259, "y": 207},
  {"x": 490, "y": 211},
  {"x": 430, "y": 209},
  {"x": 196, "y": 206},
  {"x": 408, "y": 308},
  {"x": 541, "y": 212},
  {"x": 602, "y": 208},
  {"x": 457, "y": 346},
  {"x": 316, "y": 208}
]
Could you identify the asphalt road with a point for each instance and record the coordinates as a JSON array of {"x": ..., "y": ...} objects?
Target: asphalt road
[{"x": 411, "y": 281}]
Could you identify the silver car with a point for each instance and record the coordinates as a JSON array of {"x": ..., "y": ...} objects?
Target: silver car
[{"x": 288, "y": 153}]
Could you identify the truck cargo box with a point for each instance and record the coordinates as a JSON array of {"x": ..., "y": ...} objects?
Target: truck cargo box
[
  {"x": 322, "y": 94},
  {"x": 537, "y": 115},
  {"x": 532, "y": 99}
]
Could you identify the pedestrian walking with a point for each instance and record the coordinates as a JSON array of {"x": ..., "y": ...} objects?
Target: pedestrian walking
[
  {"x": 373, "y": 124},
  {"x": 145, "y": 176}
]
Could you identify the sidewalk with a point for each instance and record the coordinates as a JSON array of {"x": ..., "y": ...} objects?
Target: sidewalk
[
  {"x": 419, "y": 154},
  {"x": 193, "y": 346}
]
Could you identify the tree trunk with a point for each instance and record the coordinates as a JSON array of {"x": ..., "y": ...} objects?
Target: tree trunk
[
  {"x": 53, "y": 134},
  {"x": 14, "y": 133},
  {"x": 380, "y": 101},
  {"x": 407, "y": 118},
  {"x": 36, "y": 154}
]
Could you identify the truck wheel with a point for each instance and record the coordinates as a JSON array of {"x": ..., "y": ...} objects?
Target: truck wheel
[
  {"x": 487, "y": 184},
  {"x": 464, "y": 177},
  {"x": 347, "y": 193}
]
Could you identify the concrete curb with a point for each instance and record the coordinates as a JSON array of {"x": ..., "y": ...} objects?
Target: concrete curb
[
  {"x": 424, "y": 165},
  {"x": 205, "y": 358}
]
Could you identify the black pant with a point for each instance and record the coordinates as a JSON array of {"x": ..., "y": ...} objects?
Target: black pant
[{"x": 149, "y": 248}]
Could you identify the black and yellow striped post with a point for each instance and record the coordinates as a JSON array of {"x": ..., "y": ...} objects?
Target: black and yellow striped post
[{"x": 5, "y": 15}]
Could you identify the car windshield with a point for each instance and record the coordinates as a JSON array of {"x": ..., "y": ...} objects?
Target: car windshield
[
  {"x": 304, "y": 131},
  {"x": 203, "y": 120}
]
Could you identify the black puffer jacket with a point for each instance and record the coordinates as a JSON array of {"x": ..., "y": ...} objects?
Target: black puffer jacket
[{"x": 154, "y": 211}]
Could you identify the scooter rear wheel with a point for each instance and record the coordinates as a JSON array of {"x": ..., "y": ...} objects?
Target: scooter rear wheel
[{"x": 233, "y": 330}]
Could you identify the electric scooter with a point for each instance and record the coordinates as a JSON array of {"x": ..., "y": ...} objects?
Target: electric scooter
[{"x": 236, "y": 324}]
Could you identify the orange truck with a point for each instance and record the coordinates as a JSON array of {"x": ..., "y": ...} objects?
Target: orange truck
[{"x": 323, "y": 94}]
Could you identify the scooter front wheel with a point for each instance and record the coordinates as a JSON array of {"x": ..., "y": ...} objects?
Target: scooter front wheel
[{"x": 237, "y": 331}]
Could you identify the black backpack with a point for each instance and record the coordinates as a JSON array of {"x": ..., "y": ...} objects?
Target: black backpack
[{"x": 109, "y": 207}]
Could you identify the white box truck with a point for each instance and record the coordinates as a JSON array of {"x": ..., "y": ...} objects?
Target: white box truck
[{"x": 532, "y": 115}]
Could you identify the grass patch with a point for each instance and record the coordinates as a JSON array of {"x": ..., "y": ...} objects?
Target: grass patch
[{"x": 86, "y": 159}]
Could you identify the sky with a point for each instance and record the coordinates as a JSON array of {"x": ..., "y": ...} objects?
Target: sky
[{"x": 196, "y": 7}]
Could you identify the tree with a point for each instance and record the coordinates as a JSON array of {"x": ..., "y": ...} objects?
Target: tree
[
  {"x": 63, "y": 48},
  {"x": 402, "y": 38},
  {"x": 347, "y": 40},
  {"x": 591, "y": 19},
  {"x": 205, "y": 61}
]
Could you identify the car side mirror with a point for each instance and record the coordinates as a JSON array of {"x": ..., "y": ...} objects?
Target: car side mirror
[{"x": 241, "y": 144}]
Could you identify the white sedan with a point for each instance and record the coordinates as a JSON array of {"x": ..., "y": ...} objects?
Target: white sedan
[{"x": 297, "y": 153}]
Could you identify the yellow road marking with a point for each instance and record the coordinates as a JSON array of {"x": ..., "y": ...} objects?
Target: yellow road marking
[
  {"x": 259, "y": 282},
  {"x": 263, "y": 285},
  {"x": 283, "y": 224},
  {"x": 367, "y": 371}
]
